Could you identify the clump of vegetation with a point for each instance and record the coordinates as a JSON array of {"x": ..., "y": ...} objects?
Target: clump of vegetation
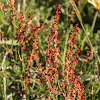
[{"x": 48, "y": 50}]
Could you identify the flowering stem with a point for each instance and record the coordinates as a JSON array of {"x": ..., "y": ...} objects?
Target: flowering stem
[
  {"x": 25, "y": 85},
  {"x": 23, "y": 70},
  {"x": 14, "y": 31},
  {"x": 94, "y": 20},
  {"x": 26, "y": 94}
]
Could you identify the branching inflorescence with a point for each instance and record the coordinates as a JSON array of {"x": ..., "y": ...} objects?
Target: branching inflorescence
[{"x": 69, "y": 84}]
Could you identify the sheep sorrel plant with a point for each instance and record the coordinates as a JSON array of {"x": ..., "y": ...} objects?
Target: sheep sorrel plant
[
  {"x": 65, "y": 82},
  {"x": 39, "y": 71}
]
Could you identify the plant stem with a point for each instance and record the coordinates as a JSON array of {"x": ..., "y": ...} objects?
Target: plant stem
[
  {"x": 94, "y": 20},
  {"x": 14, "y": 31},
  {"x": 24, "y": 4},
  {"x": 23, "y": 70},
  {"x": 26, "y": 94},
  {"x": 66, "y": 38},
  {"x": 64, "y": 54},
  {"x": 22, "y": 60},
  {"x": 4, "y": 81},
  {"x": 90, "y": 44},
  {"x": 3, "y": 71}
]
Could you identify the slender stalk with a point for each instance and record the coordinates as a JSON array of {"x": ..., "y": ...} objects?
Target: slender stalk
[
  {"x": 64, "y": 54},
  {"x": 90, "y": 44},
  {"x": 19, "y": 5},
  {"x": 24, "y": 4},
  {"x": 26, "y": 94},
  {"x": 94, "y": 20},
  {"x": 4, "y": 81},
  {"x": 23, "y": 70},
  {"x": 14, "y": 31},
  {"x": 3, "y": 71},
  {"x": 22, "y": 60},
  {"x": 66, "y": 38}
]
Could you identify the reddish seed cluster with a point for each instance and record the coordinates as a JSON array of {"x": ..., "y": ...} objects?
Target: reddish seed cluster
[
  {"x": 22, "y": 30},
  {"x": 5, "y": 10},
  {"x": 87, "y": 56},
  {"x": 96, "y": 77},
  {"x": 12, "y": 9},
  {"x": 34, "y": 53},
  {"x": 54, "y": 32},
  {"x": 23, "y": 36},
  {"x": 98, "y": 73},
  {"x": 52, "y": 49},
  {"x": 68, "y": 76},
  {"x": 95, "y": 80},
  {"x": 50, "y": 71},
  {"x": 70, "y": 47}
]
